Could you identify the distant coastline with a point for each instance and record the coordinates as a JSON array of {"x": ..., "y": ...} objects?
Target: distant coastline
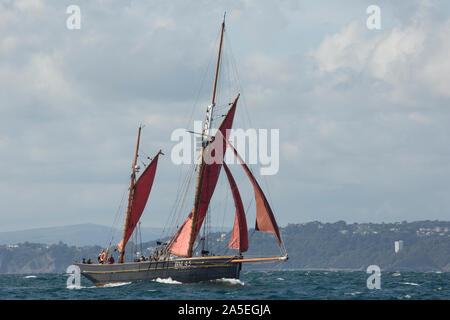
[{"x": 312, "y": 246}]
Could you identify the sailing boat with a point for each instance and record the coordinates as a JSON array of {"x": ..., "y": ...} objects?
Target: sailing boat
[{"x": 176, "y": 259}]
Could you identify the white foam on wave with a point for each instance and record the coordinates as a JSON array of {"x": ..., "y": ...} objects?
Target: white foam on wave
[
  {"x": 411, "y": 283},
  {"x": 231, "y": 281},
  {"x": 281, "y": 279},
  {"x": 30, "y": 277},
  {"x": 75, "y": 287},
  {"x": 396, "y": 274},
  {"x": 116, "y": 284},
  {"x": 107, "y": 285},
  {"x": 352, "y": 293},
  {"x": 167, "y": 281}
]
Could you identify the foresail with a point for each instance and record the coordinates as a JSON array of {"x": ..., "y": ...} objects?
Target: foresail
[
  {"x": 141, "y": 192},
  {"x": 239, "y": 236},
  {"x": 179, "y": 245}
]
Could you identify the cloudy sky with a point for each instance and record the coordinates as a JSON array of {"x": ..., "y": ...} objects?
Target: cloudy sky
[{"x": 363, "y": 114}]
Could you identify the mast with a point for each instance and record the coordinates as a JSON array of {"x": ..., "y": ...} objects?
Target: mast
[
  {"x": 130, "y": 196},
  {"x": 205, "y": 137},
  {"x": 218, "y": 62}
]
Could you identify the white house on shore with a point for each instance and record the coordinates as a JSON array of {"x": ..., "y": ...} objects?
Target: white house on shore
[{"x": 398, "y": 245}]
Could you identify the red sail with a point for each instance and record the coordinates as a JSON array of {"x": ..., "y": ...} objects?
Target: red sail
[
  {"x": 213, "y": 156},
  {"x": 265, "y": 220},
  {"x": 239, "y": 236},
  {"x": 142, "y": 189},
  {"x": 180, "y": 242}
]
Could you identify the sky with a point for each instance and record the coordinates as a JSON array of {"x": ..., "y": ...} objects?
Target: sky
[{"x": 363, "y": 114}]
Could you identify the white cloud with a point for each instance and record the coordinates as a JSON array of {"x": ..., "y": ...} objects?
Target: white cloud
[
  {"x": 47, "y": 79},
  {"x": 350, "y": 114},
  {"x": 347, "y": 49},
  {"x": 435, "y": 73},
  {"x": 400, "y": 46},
  {"x": 327, "y": 128},
  {"x": 8, "y": 44},
  {"x": 290, "y": 150},
  {"x": 418, "y": 117},
  {"x": 28, "y": 5},
  {"x": 406, "y": 58}
]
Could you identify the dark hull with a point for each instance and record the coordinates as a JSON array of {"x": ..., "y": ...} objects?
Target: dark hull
[{"x": 182, "y": 270}]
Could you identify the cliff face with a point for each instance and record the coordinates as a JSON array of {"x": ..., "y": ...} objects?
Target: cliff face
[
  {"x": 39, "y": 264},
  {"x": 28, "y": 257},
  {"x": 311, "y": 245}
]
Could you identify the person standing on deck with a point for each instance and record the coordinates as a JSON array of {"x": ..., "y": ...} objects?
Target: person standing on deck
[{"x": 101, "y": 257}]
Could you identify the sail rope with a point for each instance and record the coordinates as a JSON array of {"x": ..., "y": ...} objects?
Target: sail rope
[
  {"x": 176, "y": 212},
  {"x": 247, "y": 117},
  {"x": 140, "y": 237},
  {"x": 236, "y": 78},
  {"x": 118, "y": 214},
  {"x": 202, "y": 82}
]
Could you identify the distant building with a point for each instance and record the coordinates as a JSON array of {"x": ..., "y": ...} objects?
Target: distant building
[{"x": 398, "y": 245}]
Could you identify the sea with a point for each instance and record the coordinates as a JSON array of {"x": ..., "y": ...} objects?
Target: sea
[{"x": 253, "y": 285}]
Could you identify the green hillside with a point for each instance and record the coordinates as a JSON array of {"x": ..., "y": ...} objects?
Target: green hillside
[{"x": 312, "y": 245}]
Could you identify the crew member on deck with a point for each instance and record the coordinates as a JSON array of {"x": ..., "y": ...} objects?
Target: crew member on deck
[
  {"x": 111, "y": 260},
  {"x": 101, "y": 257}
]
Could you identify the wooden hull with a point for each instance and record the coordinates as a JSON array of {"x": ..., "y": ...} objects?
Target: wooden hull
[{"x": 182, "y": 270}]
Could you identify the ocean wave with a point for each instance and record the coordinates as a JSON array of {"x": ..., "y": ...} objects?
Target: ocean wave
[
  {"x": 396, "y": 274},
  {"x": 75, "y": 287},
  {"x": 116, "y": 284},
  {"x": 30, "y": 277},
  {"x": 231, "y": 281},
  {"x": 107, "y": 285},
  {"x": 352, "y": 293},
  {"x": 411, "y": 283},
  {"x": 167, "y": 281}
]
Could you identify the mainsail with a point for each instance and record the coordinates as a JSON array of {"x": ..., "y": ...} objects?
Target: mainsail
[
  {"x": 213, "y": 158},
  {"x": 141, "y": 192}
]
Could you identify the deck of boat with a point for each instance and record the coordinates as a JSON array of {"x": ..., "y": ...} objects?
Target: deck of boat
[{"x": 184, "y": 270}]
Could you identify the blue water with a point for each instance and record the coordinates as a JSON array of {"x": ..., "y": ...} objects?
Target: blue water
[{"x": 253, "y": 285}]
